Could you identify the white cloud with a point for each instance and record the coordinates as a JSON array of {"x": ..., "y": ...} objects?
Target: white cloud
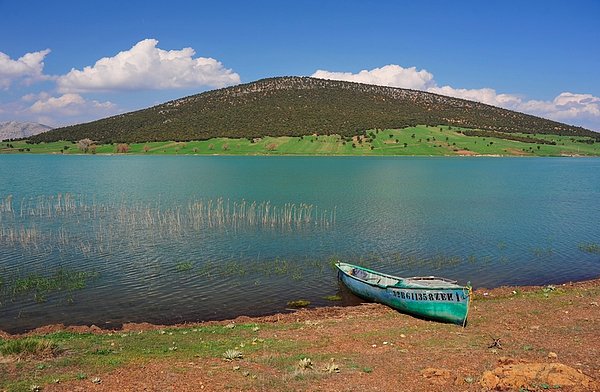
[
  {"x": 28, "y": 67},
  {"x": 389, "y": 75},
  {"x": 145, "y": 66},
  {"x": 69, "y": 105},
  {"x": 62, "y": 110},
  {"x": 578, "y": 109}
]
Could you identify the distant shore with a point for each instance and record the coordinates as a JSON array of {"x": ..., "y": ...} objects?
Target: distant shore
[{"x": 413, "y": 141}]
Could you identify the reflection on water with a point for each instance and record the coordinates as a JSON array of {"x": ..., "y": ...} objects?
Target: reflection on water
[{"x": 108, "y": 240}]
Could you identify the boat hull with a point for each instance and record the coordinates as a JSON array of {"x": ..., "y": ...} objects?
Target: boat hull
[{"x": 446, "y": 304}]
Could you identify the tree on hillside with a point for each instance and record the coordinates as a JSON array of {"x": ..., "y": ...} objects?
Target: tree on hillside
[{"x": 84, "y": 144}]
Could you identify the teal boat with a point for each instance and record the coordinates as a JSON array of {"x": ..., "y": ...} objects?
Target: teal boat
[{"x": 427, "y": 297}]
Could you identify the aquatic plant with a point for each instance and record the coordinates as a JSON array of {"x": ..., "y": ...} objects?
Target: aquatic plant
[
  {"x": 589, "y": 247},
  {"x": 40, "y": 285},
  {"x": 66, "y": 223},
  {"x": 184, "y": 266},
  {"x": 300, "y": 303},
  {"x": 333, "y": 297}
]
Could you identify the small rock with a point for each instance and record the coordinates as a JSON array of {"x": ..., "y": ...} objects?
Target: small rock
[
  {"x": 552, "y": 355},
  {"x": 97, "y": 380},
  {"x": 534, "y": 327},
  {"x": 506, "y": 361},
  {"x": 402, "y": 335},
  {"x": 594, "y": 303},
  {"x": 374, "y": 346},
  {"x": 436, "y": 374}
]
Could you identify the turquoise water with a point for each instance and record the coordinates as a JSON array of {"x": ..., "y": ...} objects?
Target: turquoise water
[{"x": 173, "y": 239}]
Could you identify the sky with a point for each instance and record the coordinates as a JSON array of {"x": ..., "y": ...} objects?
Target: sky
[{"x": 67, "y": 62}]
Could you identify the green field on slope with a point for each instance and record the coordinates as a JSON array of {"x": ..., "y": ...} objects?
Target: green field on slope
[{"x": 412, "y": 141}]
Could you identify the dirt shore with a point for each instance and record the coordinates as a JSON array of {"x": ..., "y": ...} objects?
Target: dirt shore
[{"x": 517, "y": 338}]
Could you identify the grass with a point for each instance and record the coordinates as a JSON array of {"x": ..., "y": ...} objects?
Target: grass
[
  {"x": 77, "y": 354},
  {"x": 29, "y": 348},
  {"x": 419, "y": 140}
]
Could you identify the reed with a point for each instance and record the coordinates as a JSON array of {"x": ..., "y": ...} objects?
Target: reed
[{"x": 67, "y": 223}]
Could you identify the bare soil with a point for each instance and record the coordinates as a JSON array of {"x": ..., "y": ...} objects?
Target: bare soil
[{"x": 517, "y": 339}]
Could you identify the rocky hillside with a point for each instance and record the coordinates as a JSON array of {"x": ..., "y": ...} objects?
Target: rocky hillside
[
  {"x": 18, "y": 130},
  {"x": 294, "y": 106}
]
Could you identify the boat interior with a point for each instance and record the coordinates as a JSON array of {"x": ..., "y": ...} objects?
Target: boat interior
[{"x": 417, "y": 281}]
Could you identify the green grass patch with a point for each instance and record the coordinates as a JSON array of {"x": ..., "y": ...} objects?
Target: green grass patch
[
  {"x": 29, "y": 348},
  {"x": 419, "y": 140},
  {"x": 91, "y": 354}
]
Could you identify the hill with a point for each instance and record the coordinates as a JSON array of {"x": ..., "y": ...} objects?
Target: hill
[
  {"x": 295, "y": 106},
  {"x": 18, "y": 130}
]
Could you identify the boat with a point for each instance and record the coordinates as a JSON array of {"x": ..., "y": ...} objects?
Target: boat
[{"x": 428, "y": 297}]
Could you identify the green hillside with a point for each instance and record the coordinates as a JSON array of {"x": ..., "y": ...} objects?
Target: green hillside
[
  {"x": 420, "y": 140},
  {"x": 296, "y": 106}
]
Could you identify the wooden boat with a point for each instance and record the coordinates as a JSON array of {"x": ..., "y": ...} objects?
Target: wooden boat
[{"x": 428, "y": 297}]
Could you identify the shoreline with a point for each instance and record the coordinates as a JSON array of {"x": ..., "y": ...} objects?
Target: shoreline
[
  {"x": 113, "y": 154},
  {"x": 530, "y": 338},
  {"x": 482, "y": 293}
]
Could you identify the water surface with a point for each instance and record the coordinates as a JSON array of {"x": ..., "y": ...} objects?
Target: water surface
[{"x": 490, "y": 221}]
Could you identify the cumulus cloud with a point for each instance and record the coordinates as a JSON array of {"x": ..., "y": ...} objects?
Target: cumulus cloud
[
  {"x": 28, "y": 67},
  {"x": 56, "y": 110},
  {"x": 70, "y": 104},
  {"x": 145, "y": 66},
  {"x": 578, "y": 109},
  {"x": 390, "y": 75}
]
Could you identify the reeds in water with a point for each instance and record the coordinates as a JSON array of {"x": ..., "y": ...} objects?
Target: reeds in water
[{"x": 65, "y": 222}]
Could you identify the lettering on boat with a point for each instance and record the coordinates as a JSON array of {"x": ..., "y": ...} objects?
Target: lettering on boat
[{"x": 430, "y": 296}]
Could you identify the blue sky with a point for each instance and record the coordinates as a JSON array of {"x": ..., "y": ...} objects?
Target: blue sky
[{"x": 539, "y": 57}]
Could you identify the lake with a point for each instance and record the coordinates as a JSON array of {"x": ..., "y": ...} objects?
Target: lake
[{"x": 112, "y": 239}]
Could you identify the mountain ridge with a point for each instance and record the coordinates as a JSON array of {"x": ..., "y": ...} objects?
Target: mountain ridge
[
  {"x": 18, "y": 130},
  {"x": 295, "y": 106}
]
